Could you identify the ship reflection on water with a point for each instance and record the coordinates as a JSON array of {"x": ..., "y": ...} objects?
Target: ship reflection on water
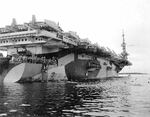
[{"x": 124, "y": 97}]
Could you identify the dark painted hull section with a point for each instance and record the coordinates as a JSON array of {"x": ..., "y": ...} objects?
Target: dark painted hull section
[
  {"x": 5, "y": 66},
  {"x": 80, "y": 70},
  {"x": 75, "y": 71}
]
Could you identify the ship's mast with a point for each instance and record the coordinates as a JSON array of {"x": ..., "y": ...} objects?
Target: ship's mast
[{"x": 124, "y": 53}]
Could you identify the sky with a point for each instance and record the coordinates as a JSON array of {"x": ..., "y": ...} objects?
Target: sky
[{"x": 101, "y": 21}]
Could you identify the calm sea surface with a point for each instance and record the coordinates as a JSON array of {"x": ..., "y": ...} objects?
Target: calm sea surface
[{"x": 124, "y": 97}]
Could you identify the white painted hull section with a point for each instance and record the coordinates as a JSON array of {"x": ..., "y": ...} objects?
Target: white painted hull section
[
  {"x": 104, "y": 73},
  {"x": 22, "y": 71}
]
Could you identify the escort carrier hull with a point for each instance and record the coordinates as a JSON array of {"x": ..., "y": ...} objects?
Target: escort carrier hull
[{"x": 42, "y": 51}]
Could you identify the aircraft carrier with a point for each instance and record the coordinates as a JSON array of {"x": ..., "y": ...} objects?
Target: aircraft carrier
[{"x": 42, "y": 51}]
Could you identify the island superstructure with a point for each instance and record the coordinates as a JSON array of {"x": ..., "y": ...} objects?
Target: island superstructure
[{"x": 38, "y": 51}]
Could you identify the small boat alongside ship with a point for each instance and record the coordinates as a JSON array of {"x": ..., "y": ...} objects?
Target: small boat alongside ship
[{"x": 42, "y": 51}]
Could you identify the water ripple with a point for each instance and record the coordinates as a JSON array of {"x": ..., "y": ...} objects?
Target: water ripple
[{"x": 125, "y": 97}]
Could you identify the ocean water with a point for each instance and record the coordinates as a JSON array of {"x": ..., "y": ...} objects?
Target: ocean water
[{"x": 116, "y": 97}]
